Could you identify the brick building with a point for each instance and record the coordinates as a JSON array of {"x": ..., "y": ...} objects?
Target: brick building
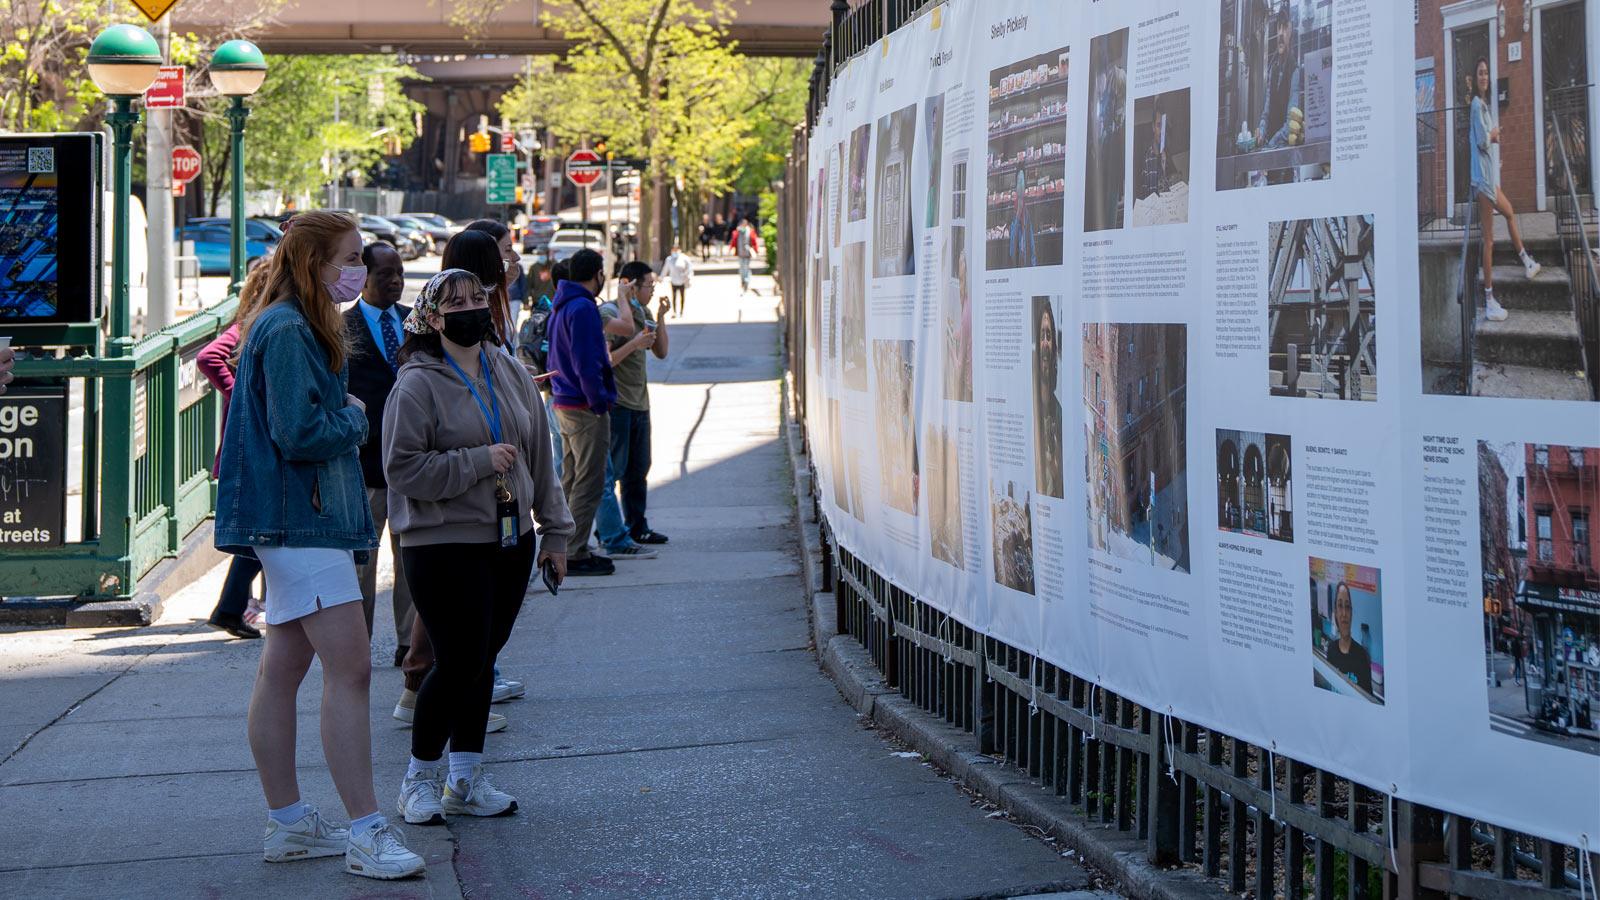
[
  {"x": 1561, "y": 589},
  {"x": 1539, "y": 61},
  {"x": 1135, "y": 396}
]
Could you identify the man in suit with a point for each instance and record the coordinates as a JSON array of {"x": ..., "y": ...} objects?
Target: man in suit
[{"x": 373, "y": 327}]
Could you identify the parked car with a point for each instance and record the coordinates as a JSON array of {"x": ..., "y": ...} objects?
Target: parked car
[
  {"x": 368, "y": 238},
  {"x": 212, "y": 246},
  {"x": 569, "y": 240},
  {"x": 438, "y": 235},
  {"x": 450, "y": 228},
  {"x": 265, "y": 231},
  {"x": 389, "y": 233},
  {"x": 538, "y": 232}
]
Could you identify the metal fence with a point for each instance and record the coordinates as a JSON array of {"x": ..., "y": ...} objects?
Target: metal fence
[
  {"x": 149, "y": 436},
  {"x": 1566, "y": 129},
  {"x": 1241, "y": 814}
]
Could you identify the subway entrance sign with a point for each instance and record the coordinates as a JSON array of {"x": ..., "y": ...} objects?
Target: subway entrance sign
[
  {"x": 584, "y": 167},
  {"x": 501, "y": 185},
  {"x": 33, "y": 464}
]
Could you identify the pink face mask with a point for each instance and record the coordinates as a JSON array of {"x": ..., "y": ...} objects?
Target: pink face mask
[{"x": 349, "y": 284}]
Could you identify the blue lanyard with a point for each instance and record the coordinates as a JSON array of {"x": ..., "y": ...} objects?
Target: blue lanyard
[{"x": 488, "y": 380}]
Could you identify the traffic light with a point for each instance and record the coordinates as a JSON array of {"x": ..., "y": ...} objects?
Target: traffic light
[
  {"x": 600, "y": 147},
  {"x": 478, "y": 142}
]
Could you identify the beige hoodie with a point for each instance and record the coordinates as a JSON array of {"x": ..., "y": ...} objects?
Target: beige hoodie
[{"x": 436, "y": 455}]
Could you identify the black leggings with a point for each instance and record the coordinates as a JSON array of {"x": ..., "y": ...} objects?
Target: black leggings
[{"x": 468, "y": 596}]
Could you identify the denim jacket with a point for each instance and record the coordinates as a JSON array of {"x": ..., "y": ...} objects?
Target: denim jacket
[{"x": 290, "y": 476}]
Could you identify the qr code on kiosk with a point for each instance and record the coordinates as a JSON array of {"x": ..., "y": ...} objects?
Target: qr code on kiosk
[{"x": 41, "y": 160}]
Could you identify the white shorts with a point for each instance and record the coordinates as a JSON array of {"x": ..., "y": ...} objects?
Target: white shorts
[{"x": 302, "y": 580}]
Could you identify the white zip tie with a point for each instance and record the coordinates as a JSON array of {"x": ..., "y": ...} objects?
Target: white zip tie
[
  {"x": 1272, "y": 779},
  {"x": 1585, "y": 865},
  {"x": 1388, "y": 826},
  {"x": 1094, "y": 714},
  {"x": 1033, "y": 687},
  {"x": 943, "y": 641},
  {"x": 1166, "y": 723}
]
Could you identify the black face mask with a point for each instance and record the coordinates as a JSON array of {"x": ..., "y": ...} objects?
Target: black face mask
[{"x": 468, "y": 326}]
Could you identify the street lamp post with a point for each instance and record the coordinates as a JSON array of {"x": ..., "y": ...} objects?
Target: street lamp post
[
  {"x": 237, "y": 70},
  {"x": 123, "y": 61}
]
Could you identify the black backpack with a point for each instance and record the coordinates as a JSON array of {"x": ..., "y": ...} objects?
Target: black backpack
[{"x": 533, "y": 338}]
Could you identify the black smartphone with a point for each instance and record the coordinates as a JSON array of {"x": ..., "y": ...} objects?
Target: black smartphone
[{"x": 547, "y": 571}]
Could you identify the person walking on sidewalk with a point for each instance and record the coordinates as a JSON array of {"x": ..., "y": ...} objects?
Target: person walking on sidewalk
[
  {"x": 467, "y": 455},
  {"x": 746, "y": 244},
  {"x": 679, "y": 269},
  {"x": 372, "y": 328},
  {"x": 215, "y": 362},
  {"x": 291, "y": 491},
  {"x": 584, "y": 390},
  {"x": 630, "y": 418}
]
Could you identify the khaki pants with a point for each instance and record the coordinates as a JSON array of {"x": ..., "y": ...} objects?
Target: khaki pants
[
  {"x": 585, "y": 444},
  {"x": 378, "y": 499}
]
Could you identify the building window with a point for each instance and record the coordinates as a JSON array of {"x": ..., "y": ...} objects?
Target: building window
[
  {"x": 1541, "y": 524},
  {"x": 1580, "y": 537},
  {"x": 1522, "y": 511},
  {"x": 1541, "y": 454},
  {"x": 1575, "y": 457}
]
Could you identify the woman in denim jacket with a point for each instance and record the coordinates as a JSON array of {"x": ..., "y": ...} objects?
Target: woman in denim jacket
[{"x": 291, "y": 491}]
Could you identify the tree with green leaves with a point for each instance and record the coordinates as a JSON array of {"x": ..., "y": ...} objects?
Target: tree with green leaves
[
  {"x": 316, "y": 119},
  {"x": 651, "y": 78}
]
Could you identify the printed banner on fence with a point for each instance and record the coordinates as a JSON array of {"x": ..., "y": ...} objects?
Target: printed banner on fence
[{"x": 1162, "y": 339}]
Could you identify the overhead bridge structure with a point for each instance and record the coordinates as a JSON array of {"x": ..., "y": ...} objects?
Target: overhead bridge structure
[{"x": 428, "y": 27}]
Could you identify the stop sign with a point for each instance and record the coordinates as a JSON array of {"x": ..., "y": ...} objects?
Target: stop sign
[
  {"x": 185, "y": 164},
  {"x": 584, "y": 167}
]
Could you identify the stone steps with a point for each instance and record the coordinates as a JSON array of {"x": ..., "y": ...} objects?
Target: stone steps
[
  {"x": 1502, "y": 380},
  {"x": 1550, "y": 290},
  {"x": 1546, "y": 339}
]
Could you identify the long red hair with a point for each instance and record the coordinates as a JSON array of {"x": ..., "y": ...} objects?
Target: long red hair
[{"x": 295, "y": 270}]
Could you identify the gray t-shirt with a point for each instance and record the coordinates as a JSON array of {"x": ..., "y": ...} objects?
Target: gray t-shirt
[{"x": 633, "y": 390}]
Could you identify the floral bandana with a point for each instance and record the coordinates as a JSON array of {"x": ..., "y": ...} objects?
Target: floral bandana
[{"x": 428, "y": 301}]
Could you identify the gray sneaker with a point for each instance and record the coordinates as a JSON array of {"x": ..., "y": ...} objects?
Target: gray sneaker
[
  {"x": 632, "y": 551},
  {"x": 381, "y": 853}
]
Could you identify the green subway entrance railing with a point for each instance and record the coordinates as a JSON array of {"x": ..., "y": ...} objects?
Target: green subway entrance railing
[{"x": 149, "y": 435}]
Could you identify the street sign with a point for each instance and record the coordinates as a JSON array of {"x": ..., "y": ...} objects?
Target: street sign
[
  {"x": 167, "y": 90},
  {"x": 501, "y": 185},
  {"x": 33, "y": 464},
  {"x": 185, "y": 164},
  {"x": 508, "y": 142},
  {"x": 154, "y": 9},
  {"x": 584, "y": 167}
]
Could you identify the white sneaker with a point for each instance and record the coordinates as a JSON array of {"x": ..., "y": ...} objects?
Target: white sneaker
[
  {"x": 308, "y": 838},
  {"x": 1493, "y": 311},
  {"x": 1530, "y": 265},
  {"x": 379, "y": 853},
  {"x": 506, "y": 689},
  {"x": 477, "y": 797},
  {"x": 419, "y": 798},
  {"x": 406, "y": 709}
]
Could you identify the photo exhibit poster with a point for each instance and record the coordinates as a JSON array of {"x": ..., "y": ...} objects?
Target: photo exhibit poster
[{"x": 1318, "y": 494}]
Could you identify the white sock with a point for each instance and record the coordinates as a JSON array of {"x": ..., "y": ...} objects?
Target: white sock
[
  {"x": 417, "y": 767},
  {"x": 368, "y": 822},
  {"x": 292, "y": 813},
  {"x": 461, "y": 765}
]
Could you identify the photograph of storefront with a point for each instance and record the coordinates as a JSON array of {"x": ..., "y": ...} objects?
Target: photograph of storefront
[
  {"x": 1135, "y": 414},
  {"x": 1275, "y": 92},
  {"x": 1255, "y": 484},
  {"x": 1321, "y": 309},
  {"x": 1541, "y": 591},
  {"x": 1504, "y": 97}
]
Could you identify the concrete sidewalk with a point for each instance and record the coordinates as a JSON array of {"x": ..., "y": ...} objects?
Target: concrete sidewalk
[{"x": 677, "y": 740}]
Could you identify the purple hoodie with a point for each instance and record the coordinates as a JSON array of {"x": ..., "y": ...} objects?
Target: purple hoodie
[{"x": 578, "y": 354}]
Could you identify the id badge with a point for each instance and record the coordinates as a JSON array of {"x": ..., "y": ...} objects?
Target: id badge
[{"x": 506, "y": 515}]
